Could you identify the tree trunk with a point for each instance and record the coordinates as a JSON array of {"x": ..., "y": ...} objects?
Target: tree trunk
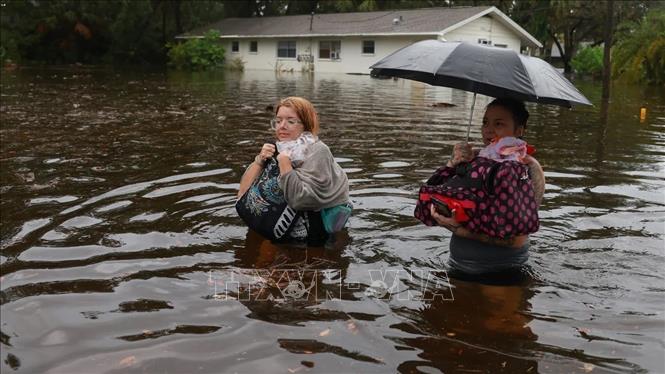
[
  {"x": 556, "y": 41},
  {"x": 607, "y": 64},
  {"x": 163, "y": 26},
  {"x": 177, "y": 13},
  {"x": 156, "y": 4},
  {"x": 569, "y": 52}
]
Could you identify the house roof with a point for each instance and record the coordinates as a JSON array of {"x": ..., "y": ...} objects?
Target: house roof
[{"x": 426, "y": 21}]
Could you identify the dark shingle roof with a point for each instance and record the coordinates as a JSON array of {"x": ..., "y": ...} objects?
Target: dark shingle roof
[{"x": 428, "y": 20}]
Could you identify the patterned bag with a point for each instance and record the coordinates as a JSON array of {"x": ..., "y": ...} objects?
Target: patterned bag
[
  {"x": 264, "y": 208},
  {"x": 497, "y": 197}
]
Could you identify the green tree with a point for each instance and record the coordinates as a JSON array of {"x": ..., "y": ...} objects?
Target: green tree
[
  {"x": 571, "y": 22},
  {"x": 532, "y": 15},
  {"x": 588, "y": 61},
  {"x": 639, "y": 53},
  {"x": 94, "y": 31}
]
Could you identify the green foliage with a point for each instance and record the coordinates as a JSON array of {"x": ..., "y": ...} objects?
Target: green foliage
[
  {"x": 368, "y": 6},
  {"x": 97, "y": 31},
  {"x": 137, "y": 31},
  {"x": 639, "y": 53},
  {"x": 588, "y": 61},
  {"x": 197, "y": 54}
]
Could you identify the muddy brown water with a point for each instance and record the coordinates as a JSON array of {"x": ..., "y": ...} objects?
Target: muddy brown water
[{"x": 121, "y": 250}]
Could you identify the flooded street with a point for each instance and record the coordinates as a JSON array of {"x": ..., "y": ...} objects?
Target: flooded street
[{"x": 121, "y": 250}]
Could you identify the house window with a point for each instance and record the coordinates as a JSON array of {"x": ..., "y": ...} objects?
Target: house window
[
  {"x": 286, "y": 49},
  {"x": 501, "y": 45},
  {"x": 253, "y": 46},
  {"x": 484, "y": 42},
  {"x": 235, "y": 46},
  {"x": 330, "y": 49},
  {"x": 368, "y": 47}
]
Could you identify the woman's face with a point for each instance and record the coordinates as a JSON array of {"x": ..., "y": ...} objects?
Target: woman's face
[
  {"x": 497, "y": 123},
  {"x": 288, "y": 125}
]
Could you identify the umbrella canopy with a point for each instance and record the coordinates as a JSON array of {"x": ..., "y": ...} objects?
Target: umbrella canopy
[{"x": 491, "y": 71}]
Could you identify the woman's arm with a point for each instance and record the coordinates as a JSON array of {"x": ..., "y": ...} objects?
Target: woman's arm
[
  {"x": 537, "y": 178},
  {"x": 284, "y": 161},
  {"x": 252, "y": 172},
  {"x": 456, "y": 228},
  {"x": 255, "y": 168}
]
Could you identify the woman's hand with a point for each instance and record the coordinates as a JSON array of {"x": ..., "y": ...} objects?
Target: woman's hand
[
  {"x": 449, "y": 223},
  {"x": 458, "y": 230},
  {"x": 255, "y": 168},
  {"x": 267, "y": 151},
  {"x": 461, "y": 152},
  {"x": 284, "y": 157},
  {"x": 284, "y": 161}
]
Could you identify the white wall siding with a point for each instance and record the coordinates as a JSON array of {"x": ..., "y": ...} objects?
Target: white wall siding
[
  {"x": 265, "y": 57},
  {"x": 351, "y": 60},
  {"x": 486, "y": 28}
]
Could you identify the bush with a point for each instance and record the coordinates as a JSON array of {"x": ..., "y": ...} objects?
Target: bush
[
  {"x": 236, "y": 64},
  {"x": 588, "y": 61},
  {"x": 197, "y": 54}
]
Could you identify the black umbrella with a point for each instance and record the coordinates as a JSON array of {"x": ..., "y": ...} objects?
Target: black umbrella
[{"x": 491, "y": 71}]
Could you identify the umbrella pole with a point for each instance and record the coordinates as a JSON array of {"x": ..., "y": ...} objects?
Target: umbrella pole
[{"x": 468, "y": 130}]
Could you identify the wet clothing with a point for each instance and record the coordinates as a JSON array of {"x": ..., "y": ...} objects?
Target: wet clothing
[
  {"x": 318, "y": 183},
  {"x": 475, "y": 257}
]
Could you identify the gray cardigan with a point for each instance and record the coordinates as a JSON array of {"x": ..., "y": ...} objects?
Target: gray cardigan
[{"x": 318, "y": 183}]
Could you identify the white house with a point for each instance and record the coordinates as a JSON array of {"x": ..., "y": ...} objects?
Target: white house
[{"x": 351, "y": 42}]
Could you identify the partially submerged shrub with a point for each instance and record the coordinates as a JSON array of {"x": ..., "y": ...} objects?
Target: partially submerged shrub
[
  {"x": 197, "y": 54},
  {"x": 236, "y": 64}
]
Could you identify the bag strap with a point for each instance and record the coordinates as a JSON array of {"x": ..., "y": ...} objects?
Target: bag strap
[
  {"x": 285, "y": 222},
  {"x": 463, "y": 178},
  {"x": 491, "y": 175}
]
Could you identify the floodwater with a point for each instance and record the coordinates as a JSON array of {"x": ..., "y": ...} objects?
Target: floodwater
[{"x": 122, "y": 250}]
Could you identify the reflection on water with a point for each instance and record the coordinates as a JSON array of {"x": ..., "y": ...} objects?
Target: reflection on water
[{"x": 122, "y": 251}]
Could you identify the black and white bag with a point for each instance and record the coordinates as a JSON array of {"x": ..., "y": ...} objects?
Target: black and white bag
[{"x": 263, "y": 207}]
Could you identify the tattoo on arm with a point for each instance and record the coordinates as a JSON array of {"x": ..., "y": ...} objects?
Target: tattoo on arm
[{"x": 537, "y": 180}]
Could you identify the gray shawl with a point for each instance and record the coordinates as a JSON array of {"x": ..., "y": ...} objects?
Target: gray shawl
[{"x": 318, "y": 183}]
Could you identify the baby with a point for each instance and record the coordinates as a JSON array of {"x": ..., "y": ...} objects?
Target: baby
[
  {"x": 508, "y": 148},
  {"x": 297, "y": 149}
]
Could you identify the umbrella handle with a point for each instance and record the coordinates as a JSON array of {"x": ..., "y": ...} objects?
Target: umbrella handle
[{"x": 468, "y": 129}]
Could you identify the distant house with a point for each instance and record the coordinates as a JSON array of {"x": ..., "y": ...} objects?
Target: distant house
[{"x": 351, "y": 42}]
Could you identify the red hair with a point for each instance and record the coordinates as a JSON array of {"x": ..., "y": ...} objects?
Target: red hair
[{"x": 305, "y": 111}]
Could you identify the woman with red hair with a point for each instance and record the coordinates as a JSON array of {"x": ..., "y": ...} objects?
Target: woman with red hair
[{"x": 294, "y": 189}]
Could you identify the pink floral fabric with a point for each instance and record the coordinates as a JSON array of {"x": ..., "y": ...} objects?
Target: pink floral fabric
[{"x": 507, "y": 148}]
